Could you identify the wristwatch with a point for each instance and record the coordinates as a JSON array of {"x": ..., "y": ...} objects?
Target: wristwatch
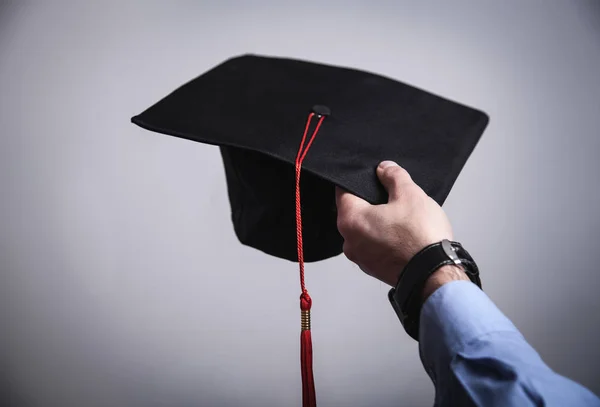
[{"x": 406, "y": 297}]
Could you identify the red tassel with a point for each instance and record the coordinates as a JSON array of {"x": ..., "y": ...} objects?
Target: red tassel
[
  {"x": 309, "y": 398},
  {"x": 308, "y": 382}
]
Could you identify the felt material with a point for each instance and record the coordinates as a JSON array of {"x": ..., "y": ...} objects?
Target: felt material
[{"x": 255, "y": 108}]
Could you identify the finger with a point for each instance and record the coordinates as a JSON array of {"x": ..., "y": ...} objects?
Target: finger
[
  {"x": 394, "y": 178},
  {"x": 347, "y": 202}
]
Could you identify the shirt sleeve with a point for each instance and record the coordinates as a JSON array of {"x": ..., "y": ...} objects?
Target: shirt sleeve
[{"x": 476, "y": 357}]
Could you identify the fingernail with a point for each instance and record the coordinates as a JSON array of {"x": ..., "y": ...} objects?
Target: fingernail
[{"x": 385, "y": 164}]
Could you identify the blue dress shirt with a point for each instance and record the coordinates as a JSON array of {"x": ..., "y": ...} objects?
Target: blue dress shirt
[{"x": 476, "y": 357}]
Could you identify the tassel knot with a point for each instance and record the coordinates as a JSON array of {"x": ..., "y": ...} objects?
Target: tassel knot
[{"x": 305, "y": 301}]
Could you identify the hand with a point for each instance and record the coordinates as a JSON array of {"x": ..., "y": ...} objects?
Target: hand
[{"x": 381, "y": 239}]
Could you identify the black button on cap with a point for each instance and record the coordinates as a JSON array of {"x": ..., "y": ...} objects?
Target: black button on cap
[{"x": 321, "y": 110}]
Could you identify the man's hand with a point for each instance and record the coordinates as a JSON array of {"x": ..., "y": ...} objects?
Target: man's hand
[{"x": 381, "y": 239}]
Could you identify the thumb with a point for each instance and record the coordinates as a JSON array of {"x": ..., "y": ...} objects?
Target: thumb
[{"x": 394, "y": 178}]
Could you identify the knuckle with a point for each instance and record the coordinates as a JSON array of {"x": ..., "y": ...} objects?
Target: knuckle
[
  {"x": 349, "y": 252},
  {"x": 346, "y": 224},
  {"x": 342, "y": 224}
]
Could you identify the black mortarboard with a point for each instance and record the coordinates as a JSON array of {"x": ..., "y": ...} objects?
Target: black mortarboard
[
  {"x": 260, "y": 112},
  {"x": 255, "y": 108}
]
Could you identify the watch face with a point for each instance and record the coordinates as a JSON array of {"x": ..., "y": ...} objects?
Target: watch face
[{"x": 450, "y": 252}]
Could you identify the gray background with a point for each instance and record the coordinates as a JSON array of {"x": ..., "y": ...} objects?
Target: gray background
[{"x": 122, "y": 283}]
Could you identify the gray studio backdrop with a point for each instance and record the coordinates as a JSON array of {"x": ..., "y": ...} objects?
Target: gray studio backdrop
[{"x": 122, "y": 283}]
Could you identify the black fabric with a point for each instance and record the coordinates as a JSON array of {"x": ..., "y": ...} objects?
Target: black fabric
[{"x": 255, "y": 108}]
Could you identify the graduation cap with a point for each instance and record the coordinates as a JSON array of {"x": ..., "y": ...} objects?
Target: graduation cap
[{"x": 286, "y": 126}]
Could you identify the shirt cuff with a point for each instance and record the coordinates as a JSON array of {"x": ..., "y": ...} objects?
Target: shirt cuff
[{"x": 453, "y": 316}]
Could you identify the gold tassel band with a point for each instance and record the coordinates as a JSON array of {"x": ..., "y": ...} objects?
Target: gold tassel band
[{"x": 305, "y": 320}]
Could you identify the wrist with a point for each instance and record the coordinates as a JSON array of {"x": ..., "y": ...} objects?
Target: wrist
[
  {"x": 431, "y": 268},
  {"x": 443, "y": 275}
]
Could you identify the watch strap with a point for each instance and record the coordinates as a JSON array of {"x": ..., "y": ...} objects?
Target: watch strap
[{"x": 406, "y": 297}]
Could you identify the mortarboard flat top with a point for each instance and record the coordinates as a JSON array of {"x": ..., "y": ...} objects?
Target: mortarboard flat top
[{"x": 255, "y": 108}]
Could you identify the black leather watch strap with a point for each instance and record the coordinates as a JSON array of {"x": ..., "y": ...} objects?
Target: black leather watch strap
[{"x": 406, "y": 296}]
